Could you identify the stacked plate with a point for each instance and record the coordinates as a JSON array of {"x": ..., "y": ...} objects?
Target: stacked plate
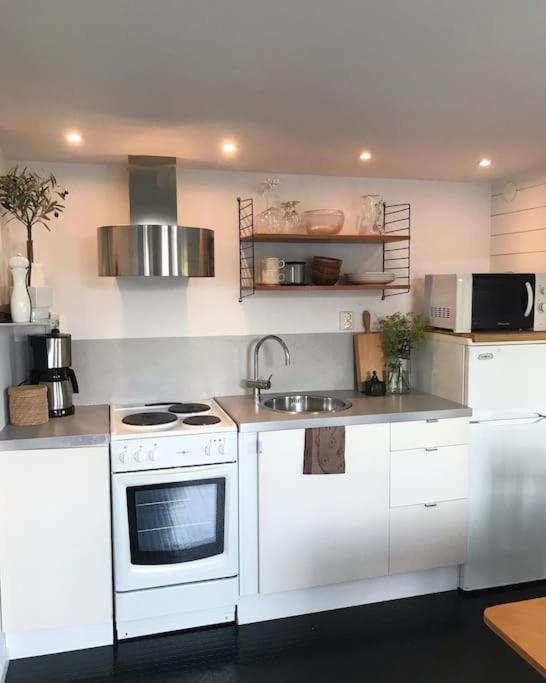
[{"x": 371, "y": 278}]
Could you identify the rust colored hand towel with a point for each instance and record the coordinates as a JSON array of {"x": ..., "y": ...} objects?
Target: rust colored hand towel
[{"x": 324, "y": 451}]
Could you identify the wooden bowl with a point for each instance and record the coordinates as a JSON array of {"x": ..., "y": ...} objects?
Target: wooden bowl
[
  {"x": 326, "y": 261},
  {"x": 325, "y": 271}
]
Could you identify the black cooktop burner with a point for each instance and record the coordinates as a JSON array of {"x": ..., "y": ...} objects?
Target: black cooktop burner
[
  {"x": 189, "y": 408},
  {"x": 149, "y": 419},
  {"x": 202, "y": 420}
]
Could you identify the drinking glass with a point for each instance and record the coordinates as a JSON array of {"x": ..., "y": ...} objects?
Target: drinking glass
[{"x": 271, "y": 218}]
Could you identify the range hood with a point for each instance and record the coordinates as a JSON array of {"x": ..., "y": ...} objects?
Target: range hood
[{"x": 154, "y": 245}]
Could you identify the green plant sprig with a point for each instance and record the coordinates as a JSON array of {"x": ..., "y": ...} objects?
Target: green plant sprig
[{"x": 401, "y": 332}]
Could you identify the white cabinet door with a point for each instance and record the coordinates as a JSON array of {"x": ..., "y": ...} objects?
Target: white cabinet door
[
  {"x": 55, "y": 569},
  {"x": 326, "y": 528},
  {"x": 429, "y": 475},
  {"x": 428, "y": 536}
]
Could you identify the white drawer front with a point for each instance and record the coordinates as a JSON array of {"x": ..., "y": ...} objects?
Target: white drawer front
[
  {"x": 427, "y": 537},
  {"x": 426, "y": 434},
  {"x": 429, "y": 475}
]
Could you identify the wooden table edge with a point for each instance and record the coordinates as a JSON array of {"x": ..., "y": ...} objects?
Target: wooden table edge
[{"x": 509, "y": 641}]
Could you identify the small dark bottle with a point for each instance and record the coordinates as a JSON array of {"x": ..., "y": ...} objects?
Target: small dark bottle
[{"x": 374, "y": 386}]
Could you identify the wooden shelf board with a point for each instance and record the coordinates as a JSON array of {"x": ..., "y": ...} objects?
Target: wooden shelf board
[
  {"x": 29, "y": 324},
  {"x": 326, "y": 239},
  {"x": 493, "y": 336},
  {"x": 329, "y": 288}
]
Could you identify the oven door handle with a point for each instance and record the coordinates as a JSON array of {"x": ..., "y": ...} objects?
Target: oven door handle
[
  {"x": 530, "y": 300},
  {"x": 188, "y": 473}
]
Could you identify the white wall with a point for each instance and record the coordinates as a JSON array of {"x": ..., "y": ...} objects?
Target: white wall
[
  {"x": 451, "y": 228},
  {"x": 5, "y": 374},
  {"x": 4, "y": 281},
  {"x": 518, "y": 226},
  {"x": 5, "y": 334}
]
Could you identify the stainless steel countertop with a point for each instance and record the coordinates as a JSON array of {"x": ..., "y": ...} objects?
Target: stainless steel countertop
[
  {"x": 89, "y": 426},
  {"x": 364, "y": 410}
]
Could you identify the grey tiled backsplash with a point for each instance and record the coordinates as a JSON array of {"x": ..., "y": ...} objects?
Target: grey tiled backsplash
[{"x": 183, "y": 368}]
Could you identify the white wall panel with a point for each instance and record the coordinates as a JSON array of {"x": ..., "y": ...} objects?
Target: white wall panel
[
  {"x": 518, "y": 229},
  {"x": 519, "y": 242},
  {"x": 527, "y": 197},
  {"x": 516, "y": 221},
  {"x": 534, "y": 262}
]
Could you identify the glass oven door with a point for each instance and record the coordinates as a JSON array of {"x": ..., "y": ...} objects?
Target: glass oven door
[
  {"x": 178, "y": 522},
  {"x": 174, "y": 526}
]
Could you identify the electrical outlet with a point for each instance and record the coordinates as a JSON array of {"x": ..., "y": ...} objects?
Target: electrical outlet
[{"x": 346, "y": 321}]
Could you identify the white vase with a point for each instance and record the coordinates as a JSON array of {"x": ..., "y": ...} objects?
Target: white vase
[{"x": 20, "y": 300}]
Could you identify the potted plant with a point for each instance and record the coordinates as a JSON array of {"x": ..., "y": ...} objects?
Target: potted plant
[
  {"x": 31, "y": 199},
  {"x": 401, "y": 333}
]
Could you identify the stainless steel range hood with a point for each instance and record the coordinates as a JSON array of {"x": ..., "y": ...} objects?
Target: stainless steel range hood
[{"x": 154, "y": 245}]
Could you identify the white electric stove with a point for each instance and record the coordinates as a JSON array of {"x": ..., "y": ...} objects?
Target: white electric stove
[{"x": 174, "y": 509}]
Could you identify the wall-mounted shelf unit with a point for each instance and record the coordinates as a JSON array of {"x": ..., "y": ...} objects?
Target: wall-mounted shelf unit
[{"x": 395, "y": 243}]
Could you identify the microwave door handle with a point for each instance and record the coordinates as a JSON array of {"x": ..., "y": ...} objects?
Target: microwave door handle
[{"x": 530, "y": 300}]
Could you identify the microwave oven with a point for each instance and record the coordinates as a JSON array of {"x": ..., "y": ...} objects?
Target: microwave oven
[{"x": 466, "y": 302}]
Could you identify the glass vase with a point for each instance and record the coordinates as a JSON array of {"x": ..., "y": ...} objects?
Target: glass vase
[
  {"x": 291, "y": 217},
  {"x": 398, "y": 375},
  {"x": 370, "y": 219}
]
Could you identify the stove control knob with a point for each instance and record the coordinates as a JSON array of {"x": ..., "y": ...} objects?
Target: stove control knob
[
  {"x": 207, "y": 449},
  {"x": 137, "y": 455},
  {"x": 124, "y": 455},
  {"x": 543, "y": 290},
  {"x": 221, "y": 447},
  {"x": 152, "y": 453},
  {"x": 542, "y": 307}
]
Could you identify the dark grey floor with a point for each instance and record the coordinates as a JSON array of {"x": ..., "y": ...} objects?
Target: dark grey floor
[{"x": 437, "y": 638}]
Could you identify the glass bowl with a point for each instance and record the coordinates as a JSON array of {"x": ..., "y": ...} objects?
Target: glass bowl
[{"x": 322, "y": 221}]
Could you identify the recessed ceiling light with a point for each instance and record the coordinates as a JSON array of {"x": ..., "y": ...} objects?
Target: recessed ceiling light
[
  {"x": 484, "y": 163},
  {"x": 229, "y": 147},
  {"x": 365, "y": 155},
  {"x": 74, "y": 138}
]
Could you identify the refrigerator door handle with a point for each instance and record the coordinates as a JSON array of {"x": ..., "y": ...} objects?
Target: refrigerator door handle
[
  {"x": 523, "y": 419},
  {"x": 530, "y": 301}
]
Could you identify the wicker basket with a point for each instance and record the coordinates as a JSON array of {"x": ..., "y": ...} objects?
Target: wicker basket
[{"x": 28, "y": 405}]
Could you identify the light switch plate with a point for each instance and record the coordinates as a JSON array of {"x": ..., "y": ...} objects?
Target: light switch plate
[{"x": 346, "y": 321}]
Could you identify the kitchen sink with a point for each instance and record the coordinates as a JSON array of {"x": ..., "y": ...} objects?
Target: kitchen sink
[{"x": 306, "y": 403}]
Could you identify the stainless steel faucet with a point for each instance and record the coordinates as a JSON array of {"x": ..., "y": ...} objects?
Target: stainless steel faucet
[{"x": 257, "y": 384}]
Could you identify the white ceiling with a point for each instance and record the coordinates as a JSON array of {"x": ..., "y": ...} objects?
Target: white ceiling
[{"x": 429, "y": 86}]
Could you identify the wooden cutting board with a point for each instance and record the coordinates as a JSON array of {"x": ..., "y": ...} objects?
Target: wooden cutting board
[{"x": 369, "y": 354}]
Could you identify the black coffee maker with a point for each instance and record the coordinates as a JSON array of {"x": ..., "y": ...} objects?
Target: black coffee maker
[{"x": 51, "y": 361}]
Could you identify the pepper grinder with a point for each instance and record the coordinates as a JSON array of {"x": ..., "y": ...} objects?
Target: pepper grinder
[{"x": 20, "y": 300}]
